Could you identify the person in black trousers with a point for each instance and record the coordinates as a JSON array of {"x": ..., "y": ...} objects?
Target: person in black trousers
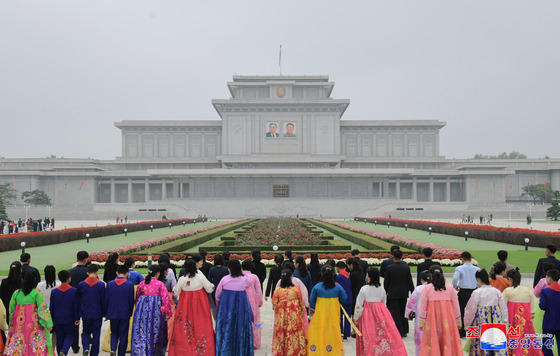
[
  {"x": 398, "y": 283},
  {"x": 259, "y": 269},
  {"x": 424, "y": 266},
  {"x": 25, "y": 260},
  {"x": 386, "y": 263},
  {"x": 274, "y": 276},
  {"x": 77, "y": 275},
  {"x": 363, "y": 264},
  {"x": 549, "y": 252}
]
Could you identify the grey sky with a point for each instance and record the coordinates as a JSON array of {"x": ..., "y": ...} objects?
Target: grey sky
[{"x": 69, "y": 69}]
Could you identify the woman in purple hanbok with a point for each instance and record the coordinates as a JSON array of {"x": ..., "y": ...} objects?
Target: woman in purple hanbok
[{"x": 411, "y": 311}]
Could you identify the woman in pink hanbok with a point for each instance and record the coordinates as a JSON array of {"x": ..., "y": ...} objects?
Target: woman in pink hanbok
[
  {"x": 411, "y": 311},
  {"x": 254, "y": 292},
  {"x": 380, "y": 335},
  {"x": 439, "y": 316}
]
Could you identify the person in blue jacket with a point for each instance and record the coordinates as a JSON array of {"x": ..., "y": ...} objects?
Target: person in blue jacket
[
  {"x": 343, "y": 279},
  {"x": 550, "y": 303},
  {"x": 92, "y": 295},
  {"x": 119, "y": 304},
  {"x": 65, "y": 312}
]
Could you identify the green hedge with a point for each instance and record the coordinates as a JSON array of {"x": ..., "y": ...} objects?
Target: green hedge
[{"x": 335, "y": 246}]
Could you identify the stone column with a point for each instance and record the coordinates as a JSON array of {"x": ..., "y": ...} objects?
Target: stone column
[
  {"x": 113, "y": 191},
  {"x": 431, "y": 189},
  {"x": 398, "y": 189},
  {"x": 129, "y": 190},
  {"x": 448, "y": 189},
  {"x": 146, "y": 190},
  {"x": 414, "y": 190},
  {"x": 163, "y": 190}
]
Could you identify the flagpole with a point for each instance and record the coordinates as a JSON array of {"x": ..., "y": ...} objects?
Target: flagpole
[{"x": 280, "y": 60}]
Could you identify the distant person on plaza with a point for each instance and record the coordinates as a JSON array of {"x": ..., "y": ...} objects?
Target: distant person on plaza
[
  {"x": 343, "y": 279},
  {"x": 498, "y": 277},
  {"x": 486, "y": 306},
  {"x": 65, "y": 311},
  {"x": 254, "y": 293},
  {"x": 424, "y": 266},
  {"x": 549, "y": 252},
  {"x": 502, "y": 257},
  {"x": 133, "y": 277},
  {"x": 389, "y": 261},
  {"x": 302, "y": 273},
  {"x": 119, "y": 305},
  {"x": 49, "y": 283},
  {"x": 439, "y": 317},
  {"x": 10, "y": 284},
  {"x": 379, "y": 332},
  {"x": 111, "y": 266},
  {"x": 118, "y": 219},
  {"x": 290, "y": 318},
  {"x": 314, "y": 268},
  {"x": 363, "y": 264},
  {"x": 550, "y": 303},
  {"x": 92, "y": 299},
  {"x": 259, "y": 269},
  {"x": 411, "y": 311},
  {"x": 464, "y": 280},
  {"x": 398, "y": 283},
  {"x": 52, "y": 223},
  {"x": 274, "y": 276},
  {"x": 234, "y": 331},
  {"x": 149, "y": 326},
  {"x": 193, "y": 325},
  {"x": 25, "y": 260},
  {"x": 217, "y": 272},
  {"x": 324, "y": 329},
  {"x": 521, "y": 303}
]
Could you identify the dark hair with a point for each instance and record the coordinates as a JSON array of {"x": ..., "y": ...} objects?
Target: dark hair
[
  {"x": 152, "y": 271},
  {"x": 113, "y": 258},
  {"x": 197, "y": 258},
  {"x": 163, "y": 258},
  {"x": 25, "y": 257},
  {"x": 373, "y": 274},
  {"x": 551, "y": 248},
  {"x": 92, "y": 268},
  {"x": 515, "y": 277},
  {"x": 247, "y": 265},
  {"x": 129, "y": 261},
  {"x": 499, "y": 267},
  {"x": 202, "y": 252},
  {"x": 279, "y": 259},
  {"x": 256, "y": 254},
  {"x": 466, "y": 256},
  {"x": 352, "y": 261},
  {"x": 355, "y": 252},
  {"x": 289, "y": 264},
  {"x": 547, "y": 266},
  {"x": 50, "y": 276},
  {"x": 502, "y": 255},
  {"x": 122, "y": 269},
  {"x": 341, "y": 264},
  {"x": 64, "y": 276},
  {"x": 397, "y": 254},
  {"x": 394, "y": 247},
  {"x": 425, "y": 276},
  {"x": 288, "y": 254},
  {"x": 314, "y": 260},
  {"x": 234, "y": 268},
  {"x": 427, "y": 251},
  {"x": 330, "y": 262},
  {"x": 163, "y": 267},
  {"x": 218, "y": 260},
  {"x": 554, "y": 274},
  {"x": 82, "y": 255},
  {"x": 29, "y": 282},
  {"x": 190, "y": 268},
  {"x": 327, "y": 273},
  {"x": 286, "y": 278},
  {"x": 226, "y": 255},
  {"x": 437, "y": 278},
  {"x": 302, "y": 267},
  {"x": 14, "y": 276},
  {"x": 483, "y": 275}
]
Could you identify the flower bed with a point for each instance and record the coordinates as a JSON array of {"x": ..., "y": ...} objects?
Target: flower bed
[
  {"x": 43, "y": 238},
  {"x": 277, "y": 231},
  {"x": 509, "y": 235}
]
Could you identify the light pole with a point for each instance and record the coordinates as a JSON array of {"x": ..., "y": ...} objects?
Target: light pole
[
  {"x": 22, "y": 244},
  {"x": 49, "y": 207},
  {"x": 466, "y": 235},
  {"x": 405, "y": 227},
  {"x": 169, "y": 225},
  {"x": 26, "y": 207},
  {"x": 87, "y": 237},
  {"x": 149, "y": 259},
  {"x": 526, "y": 243},
  {"x": 430, "y": 231},
  {"x": 151, "y": 228},
  {"x": 125, "y": 232},
  {"x": 530, "y": 208},
  {"x": 388, "y": 224}
]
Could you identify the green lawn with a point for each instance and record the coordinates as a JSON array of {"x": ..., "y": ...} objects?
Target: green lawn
[
  {"x": 64, "y": 255},
  {"x": 483, "y": 251}
]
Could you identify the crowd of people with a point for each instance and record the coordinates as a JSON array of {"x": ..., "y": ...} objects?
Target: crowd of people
[
  {"x": 214, "y": 309},
  {"x": 29, "y": 225}
]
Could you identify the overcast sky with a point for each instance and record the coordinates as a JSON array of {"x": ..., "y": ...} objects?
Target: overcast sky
[{"x": 70, "y": 69}]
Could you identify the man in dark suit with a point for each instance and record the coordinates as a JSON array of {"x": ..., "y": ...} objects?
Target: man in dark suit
[
  {"x": 398, "y": 283},
  {"x": 77, "y": 275},
  {"x": 424, "y": 266},
  {"x": 549, "y": 252},
  {"x": 386, "y": 263},
  {"x": 363, "y": 264},
  {"x": 25, "y": 260},
  {"x": 272, "y": 130}
]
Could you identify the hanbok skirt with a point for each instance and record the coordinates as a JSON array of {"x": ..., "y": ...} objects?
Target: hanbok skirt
[
  {"x": 441, "y": 334},
  {"x": 192, "y": 332},
  {"x": 380, "y": 335},
  {"x": 149, "y": 328},
  {"x": 519, "y": 315},
  {"x": 234, "y": 332},
  {"x": 485, "y": 315},
  {"x": 323, "y": 334},
  {"x": 26, "y": 336},
  {"x": 290, "y": 324}
]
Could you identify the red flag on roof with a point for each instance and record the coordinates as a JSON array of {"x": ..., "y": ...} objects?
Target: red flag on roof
[
  {"x": 511, "y": 184},
  {"x": 81, "y": 185},
  {"x": 12, "y": 185}
]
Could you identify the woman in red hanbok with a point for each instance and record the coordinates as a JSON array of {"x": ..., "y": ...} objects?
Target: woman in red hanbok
[
  {"x": 290, "y": 318},
  {"x": 192, "y": 332}
]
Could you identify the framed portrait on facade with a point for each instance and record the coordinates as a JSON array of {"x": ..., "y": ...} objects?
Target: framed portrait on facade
[
  {"x": 272, "y": 129},
  {"x": 289, "y": 129}
]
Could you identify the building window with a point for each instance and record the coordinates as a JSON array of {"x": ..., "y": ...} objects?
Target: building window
[{"x": 281, "y": 191}]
